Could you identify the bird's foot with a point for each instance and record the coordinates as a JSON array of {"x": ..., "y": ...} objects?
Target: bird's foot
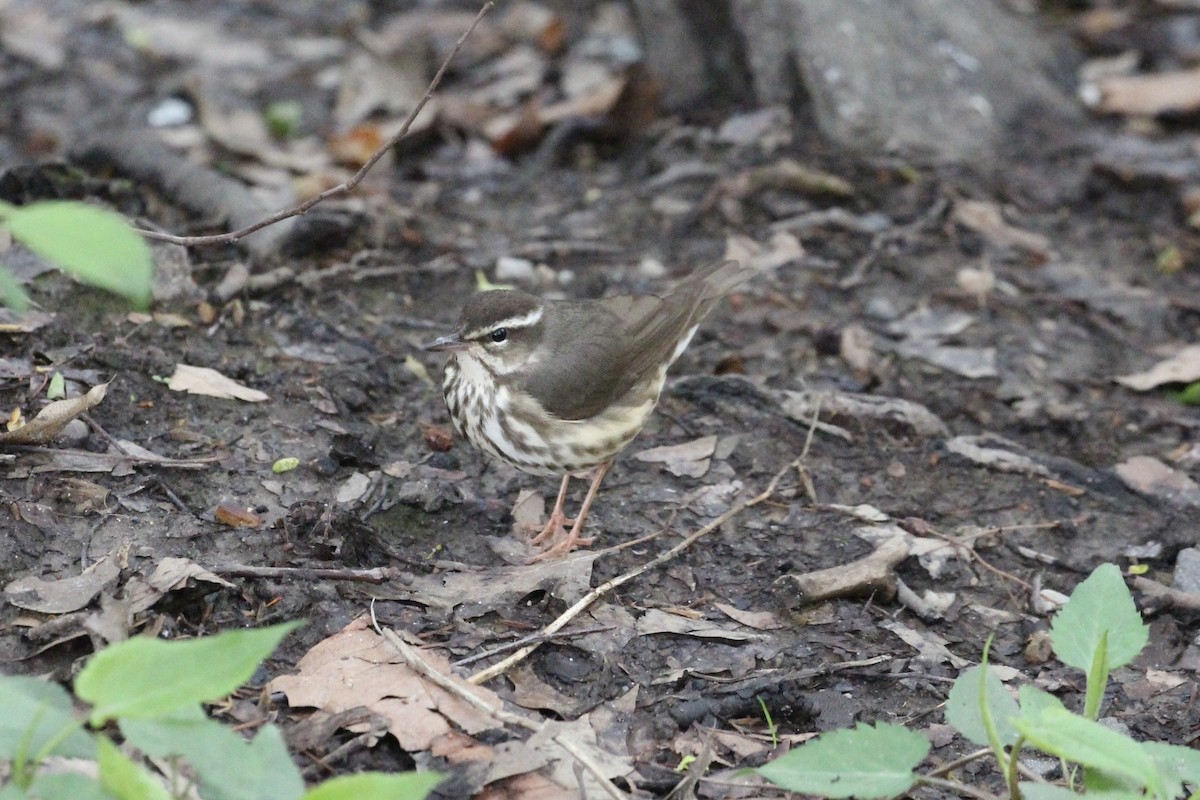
[
  {"x": 557, "y": 538},
  {"x": 555, "y": 528},
  {"x": 566, "y": 542}
]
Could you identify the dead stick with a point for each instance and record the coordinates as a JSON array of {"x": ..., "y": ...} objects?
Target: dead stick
[
  {"x": 342, "y": 188},
  {"x": 374, "y": 575}
]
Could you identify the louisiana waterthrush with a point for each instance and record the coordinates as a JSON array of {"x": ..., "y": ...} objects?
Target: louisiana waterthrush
[{"x": 560, "y": 387}]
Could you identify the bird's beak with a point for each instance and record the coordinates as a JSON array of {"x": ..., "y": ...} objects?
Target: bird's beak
[{"x": 447, "y": 344}]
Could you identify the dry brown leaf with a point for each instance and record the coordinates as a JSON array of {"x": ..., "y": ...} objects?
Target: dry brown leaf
[
  {"x": 759, "y": 620},
  {"x": 690, "y": 459},
  {"x": 25, "y": 322},
  {"x": 1150, "y": 476},
  {"x": 210, "y": 383},
  {"x": 357, "y": 667},
  {"x": 655, "y": 620},
  {"x": 174, "y": 573},
  {"x": 236, "y": 516},
  {"x": 567, "y": 579},
  {"x": 784, "y": 248},
  {"x": 987, "y": 220},
  {"x": 1183, "y": 367},
  {"x": 50, "y": 596},
  {"x": 1150, "y": 95},
  {"x": 53, "y": 418},
  {"x": 529, "y": 511}
]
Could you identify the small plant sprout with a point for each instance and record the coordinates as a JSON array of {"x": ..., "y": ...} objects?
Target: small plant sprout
[{"x": 1097, "y": 631}]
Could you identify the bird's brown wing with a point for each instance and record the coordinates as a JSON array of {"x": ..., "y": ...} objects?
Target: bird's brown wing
[
  {"x": 653, "y": 330},
  {"x": 611, "y": 345},
  {"x": 589, "y": 368}
]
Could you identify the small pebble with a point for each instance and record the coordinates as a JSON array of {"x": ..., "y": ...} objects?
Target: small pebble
[
  {"x": 510, "y": 268},
  {"x": 1187, "y": 570},
  {"x": 652, "y": 268},
  {"x": 170, "y": 113},
  {"x": 74, "y": 432}
]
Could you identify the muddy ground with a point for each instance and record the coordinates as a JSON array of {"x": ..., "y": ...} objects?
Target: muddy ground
[{"x": 1017, "y": 456}]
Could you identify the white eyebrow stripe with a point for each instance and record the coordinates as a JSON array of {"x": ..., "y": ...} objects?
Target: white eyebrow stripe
[{"x": 523, "y": 321}]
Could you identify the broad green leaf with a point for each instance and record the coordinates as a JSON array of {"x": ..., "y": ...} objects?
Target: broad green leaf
[
  {"x": 964, "y": 713},
  {"x": 10, "y": 791},
  {"x": 1100, "y": 610},
  {"x": 12, "y": 294},
  {"x": 865, "y": 761},
  {"x": 1035, "y": 701},
  {"x": 228, "y": 766},
  {"x": 1097, "y": 782},
  {"x": 126, "y": 779},
  {"x": 95, "y": 245},
  {"x": 35, "y": 712},
  {"x": 1174, "y": 760},
  {"x": 1089, "y": 743},
  {"x": 145, "y": 678},
  {"x": 1050, "y": 791},
  {"x": 377, "y": 786},
  {"x": 67, "y": 786}
]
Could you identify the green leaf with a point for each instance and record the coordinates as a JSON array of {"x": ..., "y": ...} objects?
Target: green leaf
[
  {"x": 1182, "y": 763},
  {"x": 57, "y": 390},
  {"x": 35, "y": 713},
  {"x": 377, "y": 786},
  {"x": 124, "y": 778},
  {"x": 94, "y": 244},
  {"x": 1035, "y": 701},
  {"x": 145, "y": 678},
  {"x": 1100, "y": 608},
  {"x": 12, "y": 294},
  {"x": 1050, "y": 791},
  {"x": 866, "y": 761},
  {"x": 1070, "y": 736},
  {"x": 10, "y": 791},
  {"x": 963, "y": 710},
  {"x": 228, "y": 766},
  {"x": 66, "y": 785}
]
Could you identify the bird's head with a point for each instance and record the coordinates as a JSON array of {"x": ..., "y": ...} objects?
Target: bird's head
[{"x": 501, "y": 329}]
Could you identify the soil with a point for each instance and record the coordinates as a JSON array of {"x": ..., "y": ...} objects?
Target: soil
[{"x": 340, "y": 355}]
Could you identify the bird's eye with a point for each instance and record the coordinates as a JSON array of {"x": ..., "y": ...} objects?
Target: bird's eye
[{"x": 499, "y": 335}]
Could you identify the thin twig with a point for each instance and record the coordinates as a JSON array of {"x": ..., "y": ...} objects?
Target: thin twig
[
  {"x": 374, "y": 575},
  {"x": 962, "y": 761},
  {"x": 524, "y": 640},
  {"x": 955, "y": 786},
  {"x": 342, "y": 188},
  {"x": 501, "y": 667}
]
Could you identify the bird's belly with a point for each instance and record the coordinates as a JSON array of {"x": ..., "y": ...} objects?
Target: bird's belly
[{"x": 517, "y": 430}]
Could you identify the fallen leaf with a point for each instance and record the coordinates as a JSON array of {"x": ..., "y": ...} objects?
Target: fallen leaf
[
  {"x": 690, "y": 459},
  {"x": 53, "y": 418},
  {"x": 210, "y": 383},
  {"x": 50, "y": 596},
  {"x": 1183, "y": 367},
  {"x": 987, "y": 220},
  {"x": 759, "y": 620},
  {"x": 1150, "y": 476},
  {"x": 236, "y": 516},
  {"x": 1149, "y": 95},
  {"x": 357, "y": 667},
  {"x": 783, "y": 248}
]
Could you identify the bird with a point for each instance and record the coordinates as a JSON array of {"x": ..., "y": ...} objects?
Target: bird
[{"x": 562, "y": 386}]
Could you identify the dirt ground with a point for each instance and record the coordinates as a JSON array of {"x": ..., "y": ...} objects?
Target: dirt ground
[{"x": 981, "y": 357}]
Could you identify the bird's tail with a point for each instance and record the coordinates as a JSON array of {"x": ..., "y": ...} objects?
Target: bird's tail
[{"x": 718, "y": 279}]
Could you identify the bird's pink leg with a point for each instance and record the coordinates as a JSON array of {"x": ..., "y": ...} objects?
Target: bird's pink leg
[
  {"x": 555, "y": 526},
  {"x": 572, "y": 538}
]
